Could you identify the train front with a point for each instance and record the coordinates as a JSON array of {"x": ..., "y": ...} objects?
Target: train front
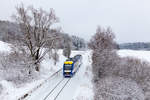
[{"x": 67, "y": 68}]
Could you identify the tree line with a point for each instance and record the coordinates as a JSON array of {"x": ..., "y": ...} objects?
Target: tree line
[{"x": 135, "y": 46}]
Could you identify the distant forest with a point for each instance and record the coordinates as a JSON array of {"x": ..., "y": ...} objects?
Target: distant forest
[
  {"x": 9, "y": 32},
  {"x": 135, "y": 46}
]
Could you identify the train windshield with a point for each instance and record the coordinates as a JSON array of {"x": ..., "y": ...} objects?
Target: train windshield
[{"x": 67, "y": 67}]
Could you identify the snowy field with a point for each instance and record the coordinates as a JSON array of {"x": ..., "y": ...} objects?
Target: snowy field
[
  {"x": 143, "y": 55},
  {"x": 78, "y": 88}
]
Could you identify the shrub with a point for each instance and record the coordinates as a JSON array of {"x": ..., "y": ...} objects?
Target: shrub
[
  {"x": 17, "y": 67},
  {"x": 117, "y": 88},
  {"x": 137, "y": 70}
]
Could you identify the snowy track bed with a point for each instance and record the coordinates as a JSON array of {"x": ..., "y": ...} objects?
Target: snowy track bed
[
  {"x": 38, "y": 86},
  {"x": 60, "y": 88},
  {"x": 54, "y": 93}
]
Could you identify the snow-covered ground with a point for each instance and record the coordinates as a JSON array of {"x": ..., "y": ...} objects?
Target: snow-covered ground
[
  {"x": 78, "y": 88},
  {"x": 12, "y": 92},
  {"x": 143, "y": 55},
  {"x": 4, "y": 47}
]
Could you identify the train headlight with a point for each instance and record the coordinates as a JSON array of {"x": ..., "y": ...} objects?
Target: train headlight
[{"x": 68, "y": 62}]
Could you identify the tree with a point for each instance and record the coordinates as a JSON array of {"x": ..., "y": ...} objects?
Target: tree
[
  {"x": 104, "y": 57},
  {"x": 53, "y": 50},
  {"x": 78, "y": 42},
  {"x": 102, "y": 40},
  {"x": 36, "y": 26},
  {"x": 67, "y": 46},
  {"x": 55, "y": 57}
]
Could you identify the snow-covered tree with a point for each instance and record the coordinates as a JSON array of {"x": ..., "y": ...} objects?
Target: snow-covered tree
[
  {"x": 118, "y": 88},
  {"x": 55, "y": 57},
  {"x": 102, "y": 44},
  {"x": 17, "y": 66},
  {"x": 102, "y": 40},
  {"x": 67, "y": 46},
  {"x": 36, "y": 26},
  {"x": 78, "y": 42}
]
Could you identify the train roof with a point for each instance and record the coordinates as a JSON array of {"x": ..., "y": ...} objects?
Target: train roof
[{"x": 74, "y": 59}]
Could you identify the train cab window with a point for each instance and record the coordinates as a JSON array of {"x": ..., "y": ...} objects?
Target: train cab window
[
  {"x": 69, "y": 59},
  {"x": 67, "y": 67}
]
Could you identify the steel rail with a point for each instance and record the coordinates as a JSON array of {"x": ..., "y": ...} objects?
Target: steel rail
[
  {"x": 62, "y": 88},
  {"x": 56, "y": 87},
  {"x": 38, "y": 86},
  {"x": 53, "y": 89}
]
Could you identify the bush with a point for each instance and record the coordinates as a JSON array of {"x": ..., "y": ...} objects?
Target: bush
[
  {"x": 17, "y": 67},
  {"x": 137, "y": 70},
  {"x": 117, "y": 88}
]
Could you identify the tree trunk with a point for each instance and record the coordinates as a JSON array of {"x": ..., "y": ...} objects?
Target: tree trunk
[{"x": 37, "y": 68}]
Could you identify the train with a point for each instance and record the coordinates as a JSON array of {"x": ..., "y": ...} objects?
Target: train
[{"x": 71, "y": 65}]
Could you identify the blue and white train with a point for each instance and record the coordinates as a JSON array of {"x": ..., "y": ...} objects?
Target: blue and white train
[{"x": 71, "y": 66}]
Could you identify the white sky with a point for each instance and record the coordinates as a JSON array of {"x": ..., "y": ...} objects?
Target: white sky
[{"x": 129, "y": 19}]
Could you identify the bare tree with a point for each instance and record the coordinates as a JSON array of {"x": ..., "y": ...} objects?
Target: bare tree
[
  {"x": 102, "y": 44},
  {"x": 102, "y": 40},
  {"x": 78, "y": 42},
  {"x": 67, "y": 46},
  {"x": 53, "y": 49},
  {"x": 36, "y": 26},
  {"x": 55, "y": 57}
]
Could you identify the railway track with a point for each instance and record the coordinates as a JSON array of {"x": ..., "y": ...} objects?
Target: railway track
[
  {"x": 38, "y": 86},
  {"x": 58, "y": 88},
  {"x": 56, "y": 91}
]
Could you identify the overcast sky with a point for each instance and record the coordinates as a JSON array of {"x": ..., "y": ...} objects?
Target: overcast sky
[{"x": 129, "y": 19}]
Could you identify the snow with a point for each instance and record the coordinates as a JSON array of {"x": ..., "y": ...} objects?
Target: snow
[
  {"x": 85, "y": 89},
  {"x": 12, "y": 92},
  {"x": 4, "y": 47},
  {"x": 81, "y": 81},
  {"x": 143, "y": 55},
  {"x": 47, "y": 66},
  {"x": 75, "y": 88},
  {"x": 78, "y": 88},
  {"x": 118, "y": 88}
]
